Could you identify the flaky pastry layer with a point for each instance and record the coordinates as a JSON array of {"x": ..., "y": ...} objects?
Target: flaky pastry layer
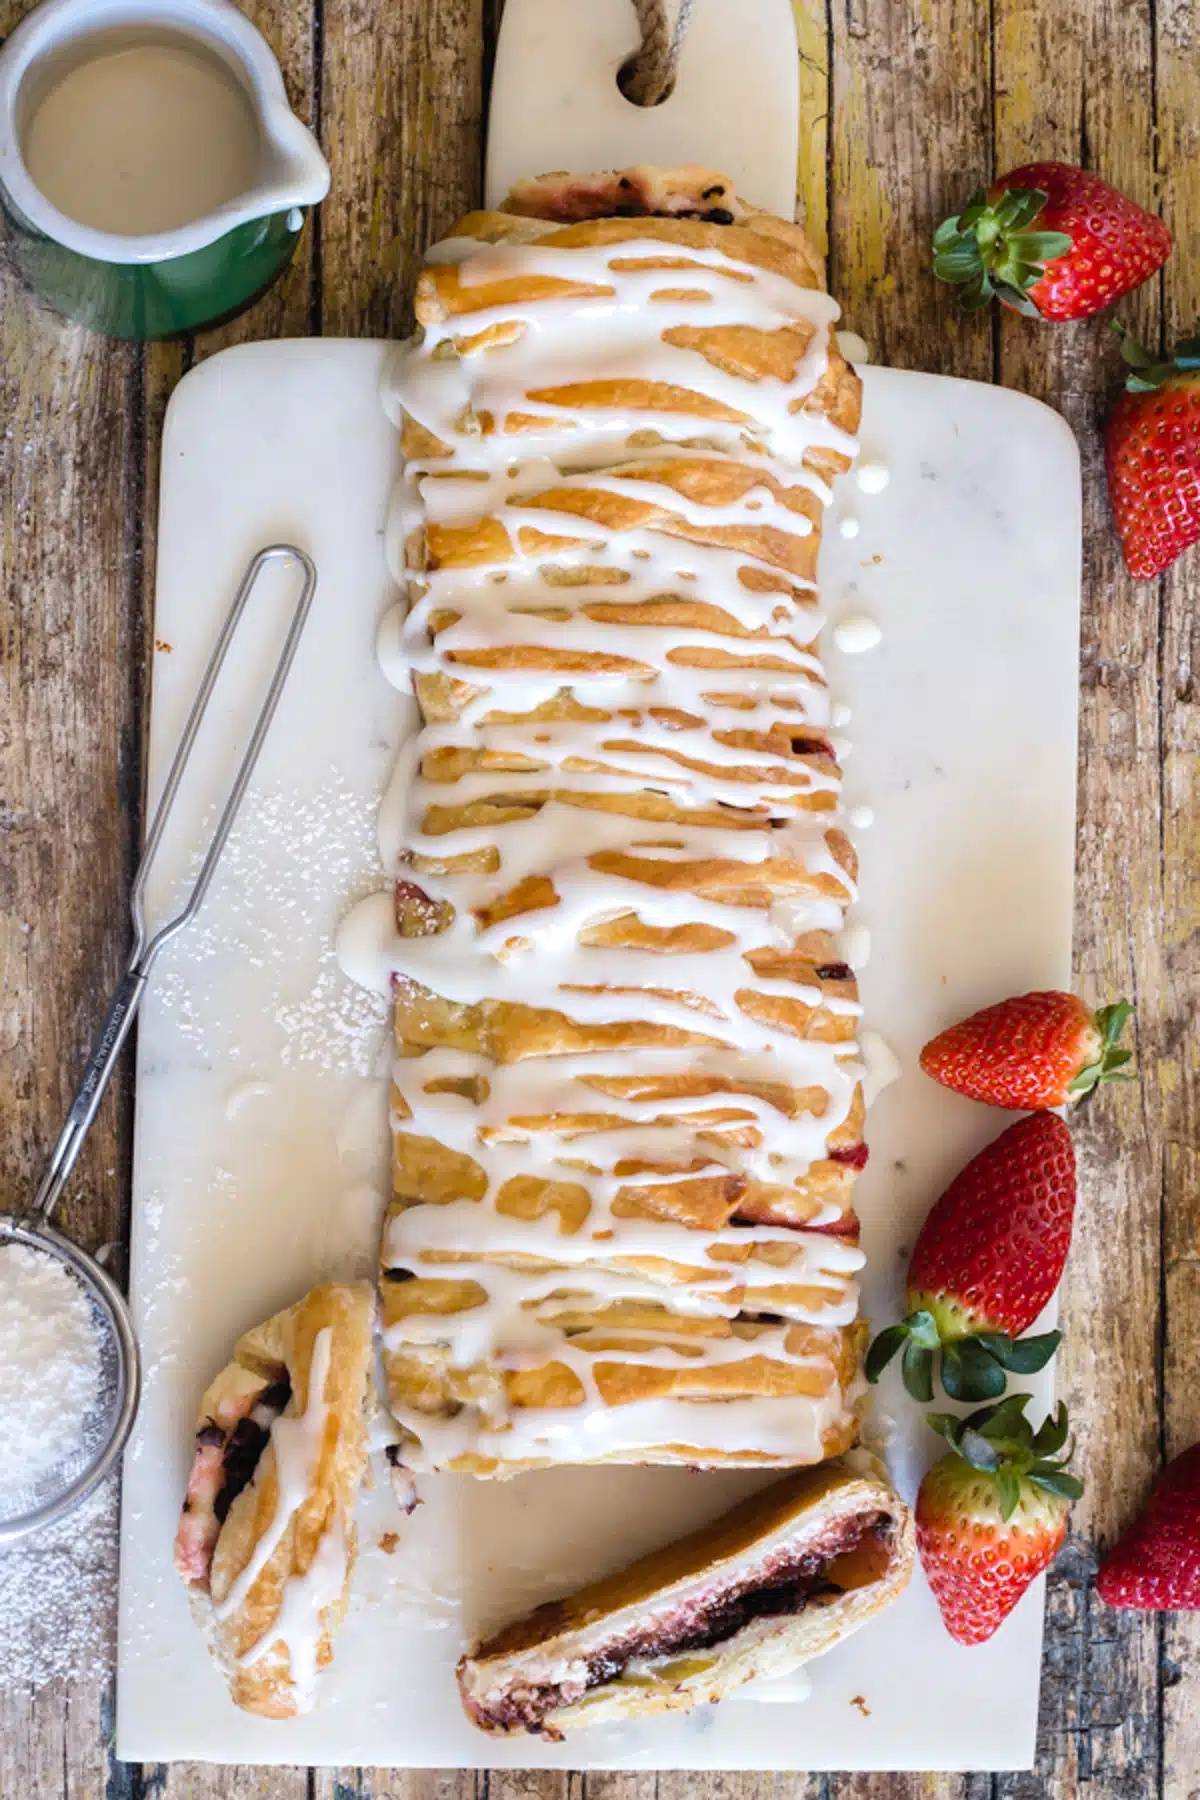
[{"x": 627, "y": 1103}]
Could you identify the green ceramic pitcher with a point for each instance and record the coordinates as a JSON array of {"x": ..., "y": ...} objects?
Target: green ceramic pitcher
[{"x": 160, "y": 283}]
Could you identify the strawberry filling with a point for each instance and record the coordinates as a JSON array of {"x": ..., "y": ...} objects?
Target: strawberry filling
[
  {"x": 635, "y": 193},
  {"x": 228, "y": 1450},
  {"x": 787, "y": 1582}
]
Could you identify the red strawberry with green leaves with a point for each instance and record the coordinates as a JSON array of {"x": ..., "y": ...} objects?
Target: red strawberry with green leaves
[
  {"x": 1051, "y": 241},
  {"x": 1155, "y": 1567},
  {"x": 1152, "y": 455},
  {"x": 993, "y": 1513},
  {"x": 1033, "y": 1051},
  {"x": 987, "y": 1259}
]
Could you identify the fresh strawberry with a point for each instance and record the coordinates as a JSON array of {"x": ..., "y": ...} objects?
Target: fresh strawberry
[
  {"x": 987, "y": 1259},
  {"x": 1152, "y": 454},
  {"x": 1156, "y": 1565},
  {"x": 1049, "y": 240},
  {"x": 1034, "y": 1051},
  {"x": 993, "y": 1513}
]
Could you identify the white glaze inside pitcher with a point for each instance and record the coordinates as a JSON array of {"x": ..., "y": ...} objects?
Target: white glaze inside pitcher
[
  {"x": 182, "y": 149},
  {"x": 136, "y": 134}
]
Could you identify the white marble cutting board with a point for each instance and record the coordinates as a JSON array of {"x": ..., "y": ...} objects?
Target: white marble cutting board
[{"x": 261, "y": 1114}]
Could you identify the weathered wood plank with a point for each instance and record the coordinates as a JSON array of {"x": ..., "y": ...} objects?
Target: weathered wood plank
[
  {"x": 603, "y": 1785},
  {"x": 52, "y": 1743},
  {"x": 402, "y": 109},
  {"x": 222, "y": 1781},
  {"x": 70, "y": 655},
  {"x": 397, "y": 1784},
  {"x": 812, "y": 166},
  {"x": 524, "y": 1784},
  {"x": 1075, "y": 81},
  {"x": 874, "y": 1785},
  {"x": 1178, "y": 48},
  {"x": 722, "y": 1786},
  {"x": 911, "y": 85}
]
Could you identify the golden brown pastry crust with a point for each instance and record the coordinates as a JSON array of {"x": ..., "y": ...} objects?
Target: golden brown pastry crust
[
  {"x": 797, "y": 1521},
  {"x": 335, "y": 1323},
  {"x": 687, "y": 495}
]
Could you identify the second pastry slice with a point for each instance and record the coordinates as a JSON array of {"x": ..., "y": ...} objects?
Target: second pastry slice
[{"x": 774, "y": 1583}]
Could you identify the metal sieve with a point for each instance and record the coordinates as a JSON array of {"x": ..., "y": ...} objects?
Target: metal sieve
[{"x": 97, "y": 1447}]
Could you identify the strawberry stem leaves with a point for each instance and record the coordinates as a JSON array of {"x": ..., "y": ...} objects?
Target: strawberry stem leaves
[
  {"x": 1109, "y": 1064},
  {"x": 883, "y": 1348},
  {"x": 1000, "y": 1441},
  {"x": 970, "y": 1372},
  {"x": 973, "y": 1368},
  {"x": 988, "y": 249},
  {"x": 1052, "y": 1434},
  {"x": 1145, "y": 371},
  {"x": 1020, "y": 1356},
  {"x": 916, "y": 1367}
]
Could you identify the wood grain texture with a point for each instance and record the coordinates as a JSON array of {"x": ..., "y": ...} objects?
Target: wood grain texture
[
  {"x": 402, "y": 115},
  {"x": 1177, "y": 59},
  {"x": 1075, "y": 81},
  {"x": 911, "y": 93},
  {"x": 904, "y": 104},
  {"x": 71, "y": 650},
  {"x": 813, "y": 73}
]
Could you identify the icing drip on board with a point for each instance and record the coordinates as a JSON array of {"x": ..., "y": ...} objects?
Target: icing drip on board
[{"x": 651, "y": 776}]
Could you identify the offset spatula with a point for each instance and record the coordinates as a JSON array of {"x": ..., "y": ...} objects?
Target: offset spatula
[{"x": 556, "y": 103}]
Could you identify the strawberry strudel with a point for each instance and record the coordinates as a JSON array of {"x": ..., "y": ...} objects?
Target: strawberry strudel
[{"x": 628, "y": 1098}]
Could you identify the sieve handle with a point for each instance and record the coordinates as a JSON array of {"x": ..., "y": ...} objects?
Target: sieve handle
[
  {"x": 132, "y": 985},
  {"x": 96, "y": 1076}
]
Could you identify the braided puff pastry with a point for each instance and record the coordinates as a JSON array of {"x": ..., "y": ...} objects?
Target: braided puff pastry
[
  {"x": 266, "y": 1542},
  {"x": 628, "y": 1107},
  {"x": 774, "y": 1583}
]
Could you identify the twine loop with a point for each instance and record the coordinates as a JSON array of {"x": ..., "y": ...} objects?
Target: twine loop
[{"x": 649, "y": 75}]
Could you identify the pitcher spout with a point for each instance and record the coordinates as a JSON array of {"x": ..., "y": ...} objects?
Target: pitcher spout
[{"x": 294, "y": 172}]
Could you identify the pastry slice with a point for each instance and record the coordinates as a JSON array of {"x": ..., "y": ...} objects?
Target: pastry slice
[
  {"x": 772, "y": 1584},
  {"x": 266, "y": 1541}
]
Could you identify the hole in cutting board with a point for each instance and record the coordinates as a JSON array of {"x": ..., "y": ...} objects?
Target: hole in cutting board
[{"x": 625, "y": 75}]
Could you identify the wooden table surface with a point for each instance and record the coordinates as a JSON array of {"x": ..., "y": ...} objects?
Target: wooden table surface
[{"x": 904, "y": 103}]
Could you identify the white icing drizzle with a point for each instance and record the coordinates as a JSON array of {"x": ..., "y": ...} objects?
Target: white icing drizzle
[
  {"x": 300, "y": 1623},
  {"x": 526, "y": 513},
  {"x": 297, "y": 1442}
]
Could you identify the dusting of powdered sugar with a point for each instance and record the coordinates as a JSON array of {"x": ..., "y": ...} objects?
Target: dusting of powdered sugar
[
  {"x": 58, "y": 1598},
  {"x": 269, "y": 913}
]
